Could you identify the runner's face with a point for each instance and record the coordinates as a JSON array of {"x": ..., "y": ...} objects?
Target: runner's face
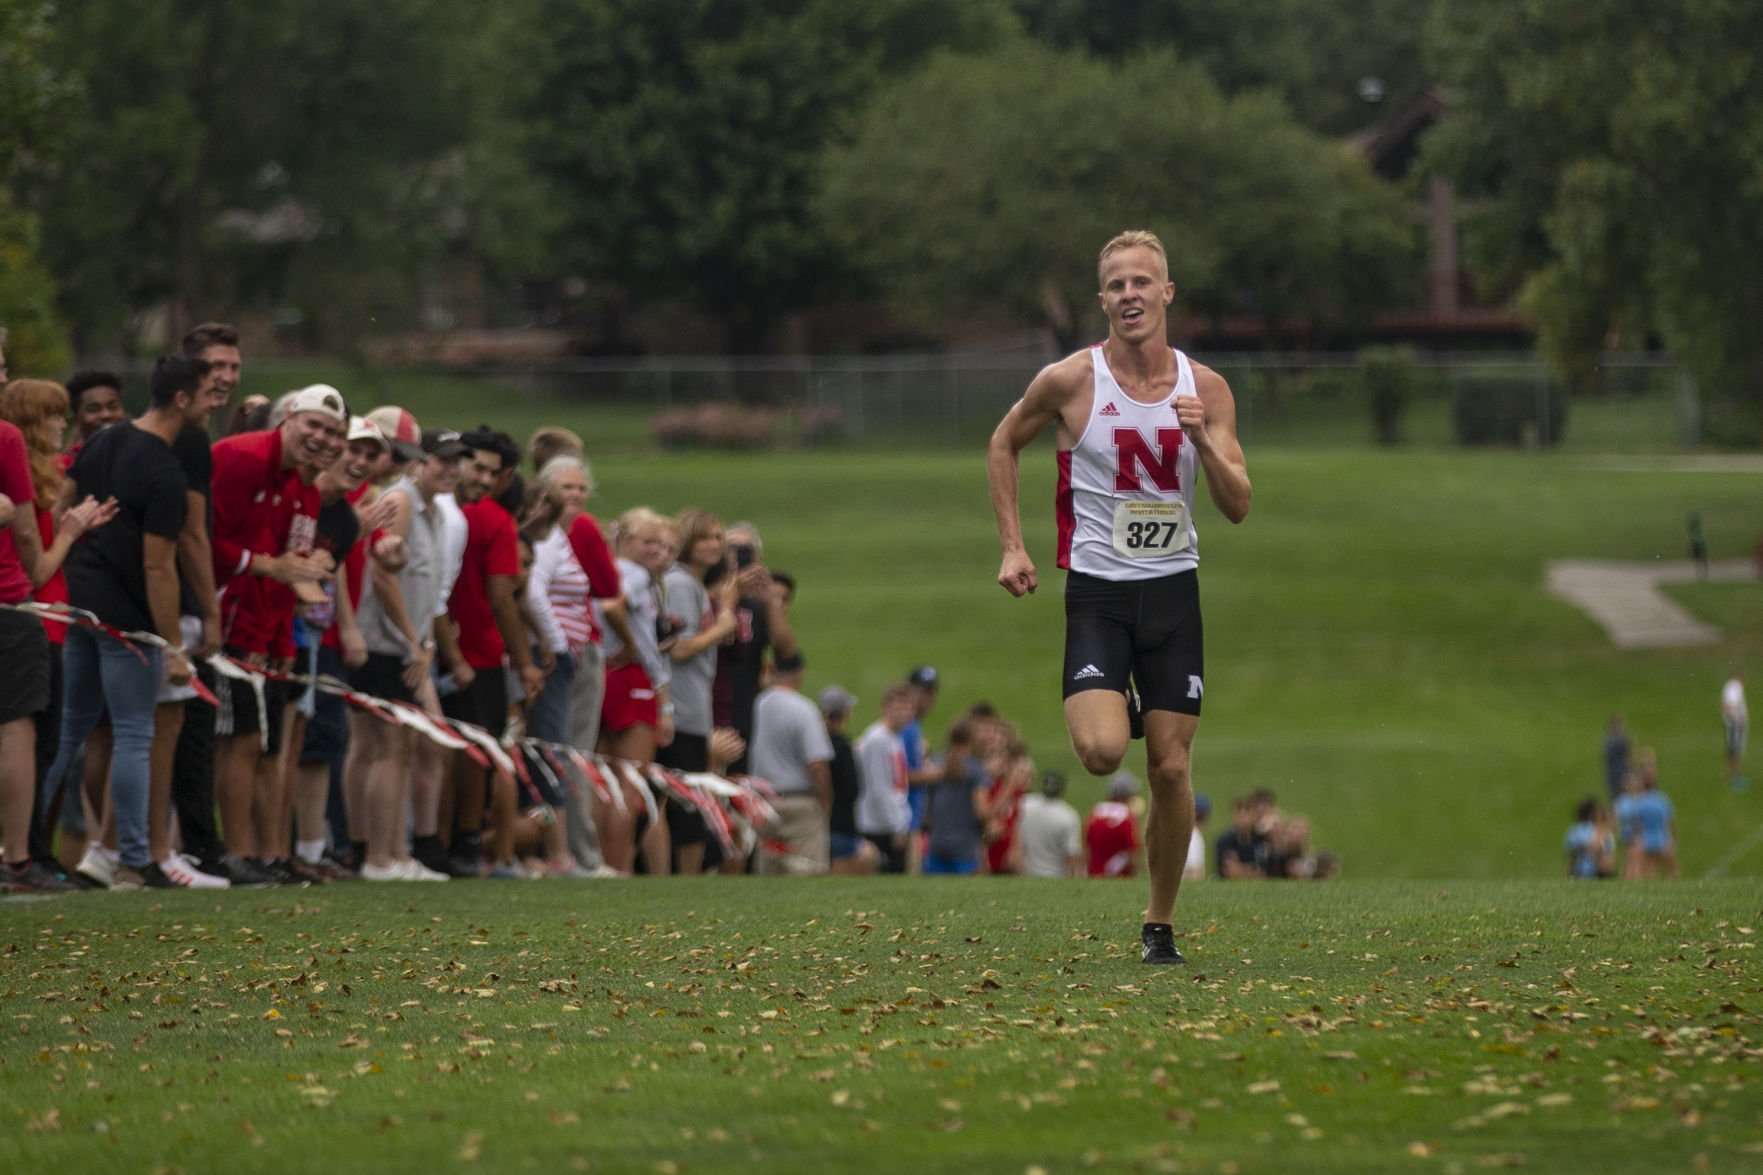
[
  {"x": 1135, "y": 293},
  {"x": 98, "y": 407}
]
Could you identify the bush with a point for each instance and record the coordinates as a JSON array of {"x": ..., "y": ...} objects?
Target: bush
[
  {"x": 1388, "y": 375},
  {"x": 717, "y": 425},
  {"x": 1502, "y": 410}
]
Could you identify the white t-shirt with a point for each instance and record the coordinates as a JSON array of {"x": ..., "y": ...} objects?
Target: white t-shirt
[
  {"x": 1050, "y": 833},
  {"x": 788, "y": 735},
  {"x": 1732, "y": 701},
  {"x": 1195, "y": 869}
]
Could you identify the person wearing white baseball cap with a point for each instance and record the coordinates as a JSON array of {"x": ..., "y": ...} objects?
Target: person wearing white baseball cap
[{"x": 266, "y": 506}]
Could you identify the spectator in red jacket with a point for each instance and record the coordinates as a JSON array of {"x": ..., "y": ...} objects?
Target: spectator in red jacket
[
  {"x": 265, "y": 525},
  {"x": 1113, "y": 831}
]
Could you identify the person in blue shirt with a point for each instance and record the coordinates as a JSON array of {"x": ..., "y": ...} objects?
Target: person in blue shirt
[
  {"x": 1656, "y": 823},
  {"x": 1590, "y": 845}
]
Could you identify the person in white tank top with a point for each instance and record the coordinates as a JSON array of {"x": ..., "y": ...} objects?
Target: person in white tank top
[{"x": 1136, "y": 422}]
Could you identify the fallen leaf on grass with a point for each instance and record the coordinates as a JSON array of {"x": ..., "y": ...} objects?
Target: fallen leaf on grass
[
  {"x": 50, "y": 1121},
  {"x": 1420, "y": 1150},
  {"x": 472, "y": 1147},
  {"x": 1264, "y": 1087},
  {"x": 1507, "y": 1159}
]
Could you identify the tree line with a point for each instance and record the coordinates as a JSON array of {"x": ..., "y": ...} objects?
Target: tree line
[{"x": 754, "y": 159}]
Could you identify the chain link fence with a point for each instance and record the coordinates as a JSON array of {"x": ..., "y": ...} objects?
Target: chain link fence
[{"x": 1639, "y": 402}]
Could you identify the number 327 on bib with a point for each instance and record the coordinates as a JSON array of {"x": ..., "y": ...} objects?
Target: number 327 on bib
[{"x": 1151, "y": 530}]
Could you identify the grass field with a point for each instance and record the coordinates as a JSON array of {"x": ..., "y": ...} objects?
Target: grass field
[
  {"x": 936, "y": 1025},
  {"x": 1381, "y": 651}
]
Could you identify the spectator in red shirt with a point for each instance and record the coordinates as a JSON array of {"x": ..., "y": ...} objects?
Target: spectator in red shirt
[
  {"x": 265, "y": 524},
  {"x": 485, "y": 613},
  {"x": 1113, "y": 831}
]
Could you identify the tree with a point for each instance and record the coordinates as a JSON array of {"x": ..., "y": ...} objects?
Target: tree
[
  {"x": 1312, "y": 53},
  {"x": 31, "y": 96},
  {"x": 683, "y": 141},
  {"x": 1006, "y": 206},
  {"x": 1617, "y": 153},
  {"x": 227, "y": 155}
]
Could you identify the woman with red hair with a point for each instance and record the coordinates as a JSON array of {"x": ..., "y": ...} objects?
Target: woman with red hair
[{"x": 38, "y": 407}]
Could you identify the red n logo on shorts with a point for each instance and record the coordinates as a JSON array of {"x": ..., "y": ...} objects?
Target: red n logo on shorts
[{"x": 1134, "y": 454}]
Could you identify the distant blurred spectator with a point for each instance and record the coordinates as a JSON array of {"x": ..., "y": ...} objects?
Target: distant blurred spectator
[
  {"x": 1291, "y": 849},
  {"x": 791, "y": 751},
  {"x": 1738, "y": 720},
  {"x": 1243, "y": 851},
  {"x": 1050, "y": 831},
  {"x": 883, "y": 814},
  {"x": 1590, "y": 845},
  {"x": 921, "y": 772},
  {"x": 956, "y": 808},
  {"x": 1617, "y": 752},
  {"x": 1113, "y": 830},
  {"x": 1195, "y": 869},
  {"x": 848, "y": 851},
  {"x": 1656, "y": 823}
]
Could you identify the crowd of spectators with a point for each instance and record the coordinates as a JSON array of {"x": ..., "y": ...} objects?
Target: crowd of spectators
[
  {"x": 257, "y": 660},
  {"x": 1631, "y": 832}
]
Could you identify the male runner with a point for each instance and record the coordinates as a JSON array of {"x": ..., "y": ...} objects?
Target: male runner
[{"x": 1134, "y": 420}]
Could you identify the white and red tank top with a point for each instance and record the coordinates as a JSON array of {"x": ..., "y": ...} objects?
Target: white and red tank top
[{"x": 1126, "y": 487}]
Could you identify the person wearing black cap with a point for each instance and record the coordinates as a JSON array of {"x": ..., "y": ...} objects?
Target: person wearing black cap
[
  {"x": 791, "y": 751},
  {"x": 921, "y": 772}
]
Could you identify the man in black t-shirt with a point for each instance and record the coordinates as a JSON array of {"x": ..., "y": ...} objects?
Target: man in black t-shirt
[
  {"x": 125, "y": 573},
  {"x": 192, "y": 773}
]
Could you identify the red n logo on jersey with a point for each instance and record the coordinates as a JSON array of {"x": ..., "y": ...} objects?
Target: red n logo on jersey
[{"x": 1134, "y": 454}]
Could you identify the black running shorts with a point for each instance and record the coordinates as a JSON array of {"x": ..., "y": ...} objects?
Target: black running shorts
[{"x": 1147, "y": 630}]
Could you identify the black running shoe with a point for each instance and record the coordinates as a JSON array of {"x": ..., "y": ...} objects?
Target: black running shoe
[
  {"x": 241, "y": 872},
  {"x": 153, "y": 877},
  {"x": 33, "y": 877},
  {"x": 1157, "y": 944},
  {"x": 1135, "y": 713},
  {"x": 282, "y": 873}
]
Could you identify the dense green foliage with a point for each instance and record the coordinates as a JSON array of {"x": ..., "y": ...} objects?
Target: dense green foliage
[
  {"x": 883, "y": 1024},
  {"x": 1616, "y": 150},
  {"x": 955, "y": 213},
  {"x": 683, "y": 140}
]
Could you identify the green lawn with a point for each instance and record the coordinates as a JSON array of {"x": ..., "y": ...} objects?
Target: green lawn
[
  {"x": 1381, "y": 650},
  {"x": 672, "y": 1026}
]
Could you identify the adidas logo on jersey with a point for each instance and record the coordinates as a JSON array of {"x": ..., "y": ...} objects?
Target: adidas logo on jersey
[
  {"x": 1086, "y": 671},
  {"x": 1110, "y": 410}
]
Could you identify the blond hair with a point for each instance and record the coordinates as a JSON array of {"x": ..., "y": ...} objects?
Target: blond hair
[
  {"x": 637, "y": 522},
  {"x": 1135, "y": 238}
]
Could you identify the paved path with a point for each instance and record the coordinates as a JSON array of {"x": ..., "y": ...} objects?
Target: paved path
[{"x": 1625, "y": 598}]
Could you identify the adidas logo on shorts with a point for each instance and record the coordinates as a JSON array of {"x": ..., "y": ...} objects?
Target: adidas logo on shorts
[
  {"x": 1110, "y": 410},
  {"x": 1086, "y": 671}
]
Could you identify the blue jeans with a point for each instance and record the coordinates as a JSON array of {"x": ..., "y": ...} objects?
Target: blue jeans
[
  {"x": 548, "y": 716},
  {"x": 101, "y": 672}
]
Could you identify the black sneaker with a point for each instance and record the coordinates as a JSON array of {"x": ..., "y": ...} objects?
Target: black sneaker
[
  {"x": 153, "y": 877},
  {"x": 282, "y": 873},
  {"x": 242, "y": 873},
  {"x": 33, "y": 877},
  {"x": 1157, "y": 944},
  {"x": 1135, "y": 713},
  {"x": 73, "y": 879}
]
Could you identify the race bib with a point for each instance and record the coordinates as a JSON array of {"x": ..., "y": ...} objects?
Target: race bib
[{"x": 1151, "y": 530}]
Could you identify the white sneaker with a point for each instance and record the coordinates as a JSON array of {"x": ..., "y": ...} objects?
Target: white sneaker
[
  {"x": 98, "y": 866},
  {"x": 415, "y": 870},
  {"x": 180, "y": 869},
  {"x": 392, "y": 872}
]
